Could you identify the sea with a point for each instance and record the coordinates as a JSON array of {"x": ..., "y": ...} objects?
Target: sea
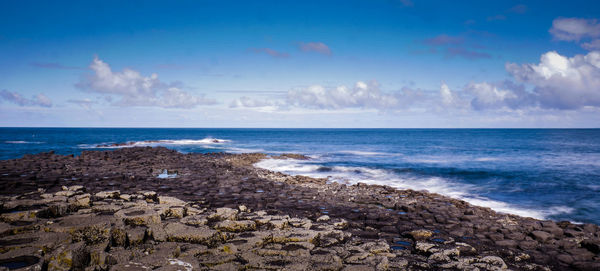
[{"x": 541, "y": 173}]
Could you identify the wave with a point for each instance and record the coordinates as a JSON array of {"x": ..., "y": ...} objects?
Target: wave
[
  {"x": 204, "y": 142},
  {"x": 22, "y": 142},
  {"x": 442, "y": 186},
  {"x": 367, "y": 153},
  {"x": 450, "y": 159}
]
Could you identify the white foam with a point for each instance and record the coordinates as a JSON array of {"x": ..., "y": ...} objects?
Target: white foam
[
  {"x": 187, "y": 266},
  {"x": 244, "y": 150},
  {"x": 446, "y": 159},
  {"x": 165, "y": 175},
  {"x": 22, "y": 142},
  {"x": 344, "y": 174},
  {"x": 205, "y": 142}
]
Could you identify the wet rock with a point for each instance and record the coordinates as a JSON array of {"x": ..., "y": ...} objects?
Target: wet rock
[
  {"x": 593, "y": 245},
  {"x": 541, "y": 236},
  {"x": 507, "y": 243},
  {"x": 565, "y": 258},
  {"x": 528, "y": 245}
]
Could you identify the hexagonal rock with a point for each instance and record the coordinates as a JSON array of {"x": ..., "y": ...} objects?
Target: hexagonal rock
[
  {"x": 330, "y": 238},
  {"x": 291, "y": 235},
  {"x": 194, "y": 220},
  {"x": 138, "y": 216},
  {"x": 108, "y": 194},
  {"x": 541, "y": 236},
  {"x": 80, "y": 201},
  {"x": 177, "y": 232},
  {"x": 223, "y": 214},
  {"x": 420, "y": 234},
  {"x": 236, "y": 226},
  {"x": 170, "y": 201}
]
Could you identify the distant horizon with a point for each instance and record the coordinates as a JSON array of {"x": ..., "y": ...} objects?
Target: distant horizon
[{"x": 332, "y": 128}]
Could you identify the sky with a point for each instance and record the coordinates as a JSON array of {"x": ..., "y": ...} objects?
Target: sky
[{"x": 293, "y": 64}]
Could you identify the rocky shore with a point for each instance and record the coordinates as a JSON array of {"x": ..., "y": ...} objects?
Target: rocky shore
[{"x": 109, "y": 210}]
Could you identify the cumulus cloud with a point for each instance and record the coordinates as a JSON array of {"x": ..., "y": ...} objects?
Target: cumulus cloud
[
  {"x": 490, "y": 96},
  {"x": 270, "y": 52},
  {"x": 16, "y": 98},
  {"x": 574, "y": 29},
  {"x": 245, "y": 101},
  {"x": 362, "y": 95},
  {"x": 448, "y": 98},
  {"x": 135, "y": 89},
  {"x": 318, "y": 47},
  {"x": 561, "y": 82}
]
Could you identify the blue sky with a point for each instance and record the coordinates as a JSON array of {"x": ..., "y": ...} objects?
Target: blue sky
[{"x": 300, "y": 63}]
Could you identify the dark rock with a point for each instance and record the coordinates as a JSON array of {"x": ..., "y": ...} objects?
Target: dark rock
[
  {"x": 541, "y": 236},
  {"x": 593, "y": 245}
]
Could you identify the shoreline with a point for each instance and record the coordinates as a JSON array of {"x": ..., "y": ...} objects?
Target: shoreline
[
  {"x": 409, "y": 229},
  {"x": 474, "y": 199}
]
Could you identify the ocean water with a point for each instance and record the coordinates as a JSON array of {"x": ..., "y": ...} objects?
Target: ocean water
[{"x": 541, "y": 173}]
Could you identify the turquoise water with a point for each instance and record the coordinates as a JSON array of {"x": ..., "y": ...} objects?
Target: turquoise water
[{"x": 543, "y": 173}]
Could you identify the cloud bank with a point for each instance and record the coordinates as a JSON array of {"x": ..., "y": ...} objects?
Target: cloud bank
[
  {"x": 557, "y": 82},
  {"x": 135, "y": 89},
  {"x": 362, "y": 95},
  {"x": 18, "y": 99}
]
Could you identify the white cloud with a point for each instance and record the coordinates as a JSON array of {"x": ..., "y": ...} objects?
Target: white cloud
[
  {"x": 318, "y": 47},
  {"x": 489, "y": 96},
  {"x": 574, "y": 29},
  {"x": 592, "y": 45},
  {"x": 245, "y": 101},
  {"x": 362, "y": 95},
  {"x": 135, "y": 89},
  {"x": 16, "y": 98},
  {"x": 448, "y": 98},
  {"x": 562, "y": 82}
]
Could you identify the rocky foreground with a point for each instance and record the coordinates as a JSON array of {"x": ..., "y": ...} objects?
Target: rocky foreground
[{"x": 108, "y": 210}]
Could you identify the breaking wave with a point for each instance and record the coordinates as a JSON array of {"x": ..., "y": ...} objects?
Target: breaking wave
[
  {"x": 179, "y": 142},
  {"x": 433, "y": 184}
]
